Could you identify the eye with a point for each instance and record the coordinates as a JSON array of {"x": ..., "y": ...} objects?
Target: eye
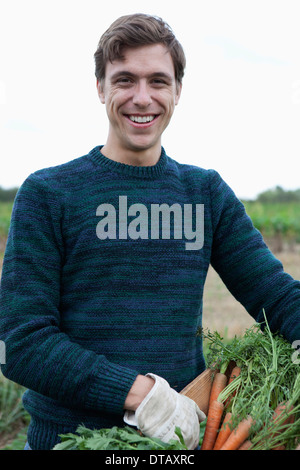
[
  {"x": 159, "y": 81},
  {"x": 124, "y": 81}
]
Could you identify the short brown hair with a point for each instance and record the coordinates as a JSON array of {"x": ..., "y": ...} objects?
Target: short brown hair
[{"x": 133, "y": 31}]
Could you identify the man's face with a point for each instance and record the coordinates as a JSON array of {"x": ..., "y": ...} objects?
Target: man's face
[{"x": 140, "y": 93}]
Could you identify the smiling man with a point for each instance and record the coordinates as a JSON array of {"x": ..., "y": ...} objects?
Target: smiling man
[
  {"x": 100, "y": 306},
  {"x": 140, "y": 93}
]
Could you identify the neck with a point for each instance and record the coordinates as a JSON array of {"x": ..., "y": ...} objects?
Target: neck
[{"x": 145, "y": 157}]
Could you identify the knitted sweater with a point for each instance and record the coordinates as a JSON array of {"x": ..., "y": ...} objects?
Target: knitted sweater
[{"x": 96, "y": 290}]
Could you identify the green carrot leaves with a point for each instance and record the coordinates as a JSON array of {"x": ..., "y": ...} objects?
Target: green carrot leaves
[{"x": 116, "y": 438}]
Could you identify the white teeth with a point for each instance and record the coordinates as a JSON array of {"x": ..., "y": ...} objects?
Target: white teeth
[{"x": 141, "y": 119}]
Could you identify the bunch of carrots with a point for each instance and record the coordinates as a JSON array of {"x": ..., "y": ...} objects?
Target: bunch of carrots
[{"x": 254, "y": 402}]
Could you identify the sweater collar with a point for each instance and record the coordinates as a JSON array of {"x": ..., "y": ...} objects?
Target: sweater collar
[{"x": 130, "y": 170}]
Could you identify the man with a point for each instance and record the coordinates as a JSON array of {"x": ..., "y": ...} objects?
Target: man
[{"x": 101, "y": 293}]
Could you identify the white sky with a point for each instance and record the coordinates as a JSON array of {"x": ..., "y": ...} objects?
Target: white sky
[{"x": 240, "y": 107}]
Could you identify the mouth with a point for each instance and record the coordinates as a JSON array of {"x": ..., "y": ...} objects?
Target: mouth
[{"x": 141, "y": 121}]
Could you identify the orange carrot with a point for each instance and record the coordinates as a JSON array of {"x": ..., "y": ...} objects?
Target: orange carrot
[
  {"x": 278, "y": 415},
  {"x": 224, "y": 432},
  {"x": 238, "y": 435},
  {"x": 214, "y": 417},
  {"x": 283, "y": 407},
  {"x": 219, "y": 383},
  {"x": 234, "y": 374},
  {"x": 279, "y": 412},
  {"x": 246, "y": 445}
]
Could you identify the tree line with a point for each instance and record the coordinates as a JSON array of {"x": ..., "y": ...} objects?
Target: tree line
[{"x": 279, "y": 195}]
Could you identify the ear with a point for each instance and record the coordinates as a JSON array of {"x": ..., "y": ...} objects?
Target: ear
[
  {"x": 178, "y": 93},
  {"x": 100, "y": 89}
]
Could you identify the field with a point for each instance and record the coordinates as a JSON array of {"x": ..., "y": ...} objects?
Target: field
[
  {"x": 278, "y": 222},
  {"x": 5, "y": 214},
  {"x": 221, "y": 311}
]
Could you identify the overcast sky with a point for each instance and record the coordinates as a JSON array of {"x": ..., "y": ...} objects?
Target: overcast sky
[{"x": 239, "y": 111}]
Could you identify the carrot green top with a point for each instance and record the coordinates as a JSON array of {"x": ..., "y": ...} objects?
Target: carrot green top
[{"x": 103, "y": 278}]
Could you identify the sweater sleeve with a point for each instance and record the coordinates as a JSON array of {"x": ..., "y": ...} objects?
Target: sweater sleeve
[
  {"x": 39, "y": 355},
  {"x": 248, "y": 268}
]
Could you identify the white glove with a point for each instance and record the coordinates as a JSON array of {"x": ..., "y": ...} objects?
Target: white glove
[{"x": 162, "y": 410}]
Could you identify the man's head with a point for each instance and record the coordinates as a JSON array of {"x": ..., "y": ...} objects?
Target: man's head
[
  {"x": 136, "y": 30},
  {"x": 139, "y": 70}
]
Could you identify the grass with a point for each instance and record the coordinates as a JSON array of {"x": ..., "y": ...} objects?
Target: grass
[
  {"x": 5, "y": 214},
  {"x": 14, "y": 419},
  {"x": 17, "y": 441}
]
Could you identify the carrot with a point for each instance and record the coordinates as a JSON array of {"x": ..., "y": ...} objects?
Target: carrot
[
  {"x": 238, "y": 435},
  {"x": 234, "y": 374},
  {"x": 280, "y": 411},
  {"x": 283, "y": 407},
  {"x": 214, "y": 417},
  {"x": 224, "y": 431},
  {"x": 246, "y": 445},
  {"x": 274, "y": 426},
  {"x": 219, "y": 383}
]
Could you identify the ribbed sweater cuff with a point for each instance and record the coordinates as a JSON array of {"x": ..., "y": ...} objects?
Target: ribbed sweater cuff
[
  {"x": 110, "y": 388},
  {"x": 295, "y": 336}
]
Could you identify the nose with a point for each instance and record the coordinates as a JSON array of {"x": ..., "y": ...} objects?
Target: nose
[{"x": 142, "y": 96}]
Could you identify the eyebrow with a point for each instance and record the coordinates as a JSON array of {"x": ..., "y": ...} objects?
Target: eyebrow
[{"x": 127, "y": 73}]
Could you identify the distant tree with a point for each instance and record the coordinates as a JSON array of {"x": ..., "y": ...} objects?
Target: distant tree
[
  {"x": 7, "y": 195},
  {"x": 279, "y": 195}
]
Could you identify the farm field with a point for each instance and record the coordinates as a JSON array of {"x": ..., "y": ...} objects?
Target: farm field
[
  {"x": 278, "y": 222},
  {"x": 222, "y": 312},
  {"x": 5, "y": 214}
]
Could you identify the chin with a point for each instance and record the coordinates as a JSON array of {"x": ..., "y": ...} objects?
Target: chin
[{"x": 140, "y": 146}]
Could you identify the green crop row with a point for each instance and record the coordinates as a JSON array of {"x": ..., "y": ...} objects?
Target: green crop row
[
  {"x": 276, "y": 219},
  {"x": 5, "y": 215}
]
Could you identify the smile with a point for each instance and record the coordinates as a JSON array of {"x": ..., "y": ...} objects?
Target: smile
[
  {"x": 139, "y": 120},
  {"x": 142, "y": 118}
]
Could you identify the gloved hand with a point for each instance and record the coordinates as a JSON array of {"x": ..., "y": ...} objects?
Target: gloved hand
[{"x": 162, "y": 410}]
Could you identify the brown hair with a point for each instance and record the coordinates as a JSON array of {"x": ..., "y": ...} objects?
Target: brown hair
[{"x": 133, "y": 31}]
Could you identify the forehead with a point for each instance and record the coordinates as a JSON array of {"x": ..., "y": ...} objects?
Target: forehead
[{"x": 143, "y": 60}]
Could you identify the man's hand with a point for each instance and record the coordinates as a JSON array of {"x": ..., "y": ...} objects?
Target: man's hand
[{"x": 162, "y": 410}]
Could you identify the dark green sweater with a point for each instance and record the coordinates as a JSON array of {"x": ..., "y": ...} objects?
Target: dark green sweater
[{"x": 82, "y": 315}]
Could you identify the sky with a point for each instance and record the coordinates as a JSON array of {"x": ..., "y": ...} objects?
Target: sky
[{"x": 239, "y": 111}]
